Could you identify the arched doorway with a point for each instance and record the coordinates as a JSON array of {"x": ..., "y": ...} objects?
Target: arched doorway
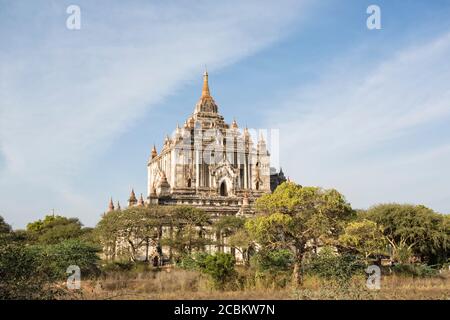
[{"x": 223, "y": 189}]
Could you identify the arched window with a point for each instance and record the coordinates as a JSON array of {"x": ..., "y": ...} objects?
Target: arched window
[
  {"x": 189, "y": 183},
  {"x": 223, "y": 189}
]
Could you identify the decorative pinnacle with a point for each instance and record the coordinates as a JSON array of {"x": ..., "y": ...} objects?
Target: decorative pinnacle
[{"x": 205, "y": 90}]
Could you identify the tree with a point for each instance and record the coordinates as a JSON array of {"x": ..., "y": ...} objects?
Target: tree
[
  {"x": 187, "y": 230},
  {"x": 139, "y": 227},
  {"x": 56, "y": 258},
  {"x": 226, "y": 227},
  {"x": 23, "y": 275},
  {"x": 242, "y": 241},
  {"x": 300, "y": 219},
  {"x": 364, "y": 237},
  {"x": 413, "y": 230},
  {"x": 220, "y": 267},
  {"x": 54, "y": 229},
  {"x": 106, "y": 231},
  {"x": 330, "y": 265},
  {"x": 4, "y": 227}
]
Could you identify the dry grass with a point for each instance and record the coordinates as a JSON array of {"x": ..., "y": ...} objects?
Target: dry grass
[{"x": 182, "y": 284}]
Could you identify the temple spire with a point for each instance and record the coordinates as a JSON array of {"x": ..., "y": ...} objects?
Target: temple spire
[
  {"x": 205, "y": 90},
  {"x": 111, "y": 205},
  {"x": 132, "y": 200}
]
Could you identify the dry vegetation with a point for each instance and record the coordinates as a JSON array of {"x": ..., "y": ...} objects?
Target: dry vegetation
[{"x": 182, "y": 284}]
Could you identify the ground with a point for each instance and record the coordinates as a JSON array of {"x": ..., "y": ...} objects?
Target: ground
[{"x": 182, "y": 284}]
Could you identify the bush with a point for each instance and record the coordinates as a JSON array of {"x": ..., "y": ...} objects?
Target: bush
[
  {"x": 23, "y": 276},
  {"x": 273, "y": 261},
  {"x": 273, "y": 268},
  {"x": 332, "y": 266},
  {"x": 194, "y": 261},
  {"x": 118, "y": 266},
  {"x": 58, "y": 257},
  {"x": 220, "y": 267},
  {"x": 414, "y": 270}
]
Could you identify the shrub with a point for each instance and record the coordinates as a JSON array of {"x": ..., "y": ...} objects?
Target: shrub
[
  {"x": 58, "y": 257},
  {"x": 117, "y": 266},
  {"x": 273, "y": 268},
  {"x": 220, "y": 267},
  {"x": 414, "y": 270},
  {"x": 23, "y": 276},
  {"x": 194, "y": 261},
  {"x": 273, "y": 261},
  {"x": 332, "y": 266}
]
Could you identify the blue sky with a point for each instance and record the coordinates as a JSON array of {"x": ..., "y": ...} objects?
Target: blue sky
[{"x": 363, "y": 111}]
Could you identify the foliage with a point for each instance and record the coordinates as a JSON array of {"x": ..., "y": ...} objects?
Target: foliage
[
  {"x": 138, "y": 226},
  {"x": 4, "y": 227},
  {"x": 23, "y": 275},
  {"x": 221, "y": 268},
  {"x": 273, "y": 268},
  {"x": 330, "y": 265},
  {"x": 56, "y": 258},
  {"x": 243, "y": 242},
  {"x": 364, "y": 237},
  {"x": 142, "y": 227},
  {"x": 299, "y": 219},
  {"x": 117, "y": 266},
  {"x": 413, "y": 230},
  {"x": 189, "y": 231},
  {"x": 194, "y": 261},
  {"x": 273, "y": 261},
  {"x": 414, "y": 270},
  {"x": 229, "y": 225},
  {"x": 54, "y": 229}
]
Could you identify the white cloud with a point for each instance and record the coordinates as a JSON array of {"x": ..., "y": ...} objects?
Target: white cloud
[
  {"x": 65, "y": 95},
  {"x": 357, "y": 129}
]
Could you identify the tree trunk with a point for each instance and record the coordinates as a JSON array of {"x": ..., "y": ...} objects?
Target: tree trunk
[
  {"x": 147, "y": 244},
  {"x": 297, "y": 275}
]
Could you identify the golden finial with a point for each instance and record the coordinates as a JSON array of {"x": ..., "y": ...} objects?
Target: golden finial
[{"x": 205, "y": 90}]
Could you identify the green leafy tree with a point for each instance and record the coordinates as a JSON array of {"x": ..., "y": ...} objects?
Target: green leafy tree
[
  {"x": 364, "y": 237},
  {"x": 274, "y": 261},
  {"x": 243, "y": 242},
  {"x": 54, "y": 229},
  {"x": 330, "y": 265},
  {"x": 221, "y": 268},
  {"x": 138, "y": 227},
  {"x": 299, "y": 219},
  {"x": 23, "y": 275},
  {"x": 107, "y": 233},
  {"x": 188, "y": 230},
  {"x": 56, "y": 258},
  {"x": 413, "y": 230},
  {"x": 232, "y": 229},
  {"x": 4, "y": 227}
]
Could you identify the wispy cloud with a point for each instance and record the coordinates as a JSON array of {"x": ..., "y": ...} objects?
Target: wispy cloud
[
  {"x": 66, "y": 95},
  {"x": 359, "y": 128}
]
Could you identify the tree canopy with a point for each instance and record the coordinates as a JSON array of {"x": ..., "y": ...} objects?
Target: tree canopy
[
  {"x": 54, "y": 229},
  {"x": 413, "y": 230},
  {"x": 300, "y": 219}
]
